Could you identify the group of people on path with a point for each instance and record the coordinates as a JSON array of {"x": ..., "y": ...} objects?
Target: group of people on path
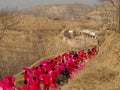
[{"x": 52, "y": 72}]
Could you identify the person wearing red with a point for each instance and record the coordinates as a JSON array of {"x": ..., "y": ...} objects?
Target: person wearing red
[
  {"x": 73, "y": 64},
  {"x": 46, "y": 81},
  {"x": 48, "y": 66},
  {"x": 93, "y": 51},
  {"x": 37, "y": 72},
  {"x": 54, "y": 76},
  {"x": 35, "y": 84},
  {"x": 42, "y": 68},
  {"x": 69, "y": 68},
  {"x": 76, "y": 63},
  {"x": 26, "y": 85},
  {"x": 85, "y": 56},
  {"x": 1, "y": 85},
  {"x": 8, "y": 83},
  {"x": 26, "y": 75},
  {"x": 52, "y": 64},
  {"x": 89, "y": 53}
]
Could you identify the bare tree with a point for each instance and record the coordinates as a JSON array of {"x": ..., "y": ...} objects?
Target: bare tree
[
  {"x": 8, "y": 20},
  {"x": 112, "y": 15},
  {"x": 111, "y": 1}
]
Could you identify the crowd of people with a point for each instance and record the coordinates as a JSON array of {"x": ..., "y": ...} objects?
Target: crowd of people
[{"x": 52, "y": 72}]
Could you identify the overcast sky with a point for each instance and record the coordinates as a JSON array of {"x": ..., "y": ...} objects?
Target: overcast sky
[{"x": 31, "y": 3}]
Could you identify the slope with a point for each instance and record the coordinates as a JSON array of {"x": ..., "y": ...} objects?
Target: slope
[
  {"x": 103, "y": 72},
  {"x": 60, "y": 11}
]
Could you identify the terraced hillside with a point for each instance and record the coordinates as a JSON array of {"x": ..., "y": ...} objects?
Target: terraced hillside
[
  {"x": 30, "y": 41},
  {"x": 60, "y": 11},
  {"x": 103, "y": 72}
]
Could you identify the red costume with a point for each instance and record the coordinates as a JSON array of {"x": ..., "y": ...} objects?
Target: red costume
[
  {"x": 35, "y": 85},
  {"x": 46, "y": 81},
  {"x": 54, "y": 76},
  {"x": 26, "y": 87},
  {"x": 26, "y": 76},
  {"x": 69, "y": 68},
  {"x": 37, "y": 73}
]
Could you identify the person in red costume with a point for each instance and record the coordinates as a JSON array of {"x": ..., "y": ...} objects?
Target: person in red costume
[
  {"x": 89, "y": 53},
  {"x": 26, "y": 75},
  {"x": 8, "y": 83},
  {"x": 69, "y": 68},
  {"x": 37, "y": 72},
  {"x": 54, "y": 76},
  {"x": 26, "y": 85},
  {"x": 42, "y": 68},
  {"x": 93, "y": 51},
  {"x": 46, "y": 81},
  {"x": 35, "y": 84},
  {"x": 85, "y": 56},
  {"x": 52, "y": 64},
  {"x": 76, "y": 63},
  {"x": 48, "y": 66},
  {"x": 1, "y": 85},
  {"x": 55, "y": 61}
]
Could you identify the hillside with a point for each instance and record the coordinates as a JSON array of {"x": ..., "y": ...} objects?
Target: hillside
[
  {"x": 29, "y": 41},
  {"x": 60, "y": 11},
  {"x": 37, "y": 36},
  {"x": 103, "y": 72}
]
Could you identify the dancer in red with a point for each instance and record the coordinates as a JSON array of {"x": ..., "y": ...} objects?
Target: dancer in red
[
  {"x": 69, "y": 68},
  {"x": 35, "y": 84},
  {"x": 37, "y": 72},
  {"x": 26, "y": 85},
  {"x": 1, "y": 85},
  {"x": 54, "y": 76},
  {"x": 46, "y": 81},
  {"x": 8, "y": 83},
  {"x": 93, "y": 51},
  {"x": 26, "y": 75},
  {"x": 89, "y": 53}
]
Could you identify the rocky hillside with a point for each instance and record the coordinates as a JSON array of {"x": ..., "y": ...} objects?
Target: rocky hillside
[
  {"x": 103, "y": 72},
  {"x": 60, "y": 11},
  {"x": 31, "y": 39}
]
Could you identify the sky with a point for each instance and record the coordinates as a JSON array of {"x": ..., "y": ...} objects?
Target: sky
[{"x": 21, "y": 4}]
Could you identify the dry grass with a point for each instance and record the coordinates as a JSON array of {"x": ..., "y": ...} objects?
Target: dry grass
[
  {"x": 32, "y": 39},
  {"x": 50, "y": 50},
  {"x": 103, "y": 72},
  {"x": 37, "y": 37},
  {"x": 37, "y": 23}
]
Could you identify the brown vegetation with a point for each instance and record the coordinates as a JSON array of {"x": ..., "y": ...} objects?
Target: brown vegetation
[
  {"x": 60, "y": 11},
  {"x": 103, "y": 72},
  {"x": 35, "y": 37},
  {"x": 32, "y": 39},
  {"x": 8, "y": 20}
]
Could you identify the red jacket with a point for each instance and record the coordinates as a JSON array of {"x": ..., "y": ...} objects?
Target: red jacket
[
  {"x": 35, "y": 85},
  {"x": 26, "y": 87},
  {"x": 26, "y": 76},
  {"x": 37, "y": 73},
  {"x": 54, "y": 74},
  {"x": 46, "y": 79},
  {"x": 69, "y": 69}
]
